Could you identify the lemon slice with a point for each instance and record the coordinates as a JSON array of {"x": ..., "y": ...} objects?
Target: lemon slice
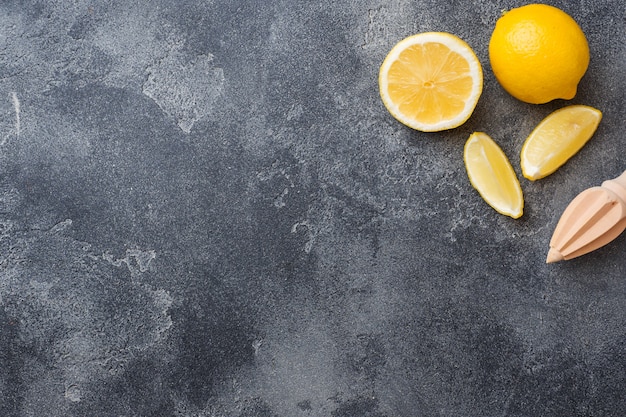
[
  {"x": 491, "y": 173},
  {"x": 557, "y": 138},
  {"x": 431, "y": 81}
]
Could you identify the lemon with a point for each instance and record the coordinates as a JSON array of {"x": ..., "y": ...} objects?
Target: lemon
[
  {"x": 492, "y": 175},
  {"x": 557, "y": 138},
  {"x": 538, "y": 53},
  {"x": 431, "y": 81}
]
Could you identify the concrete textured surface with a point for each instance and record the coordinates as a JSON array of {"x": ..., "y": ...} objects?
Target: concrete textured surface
[{"x": 205, "y": 210}]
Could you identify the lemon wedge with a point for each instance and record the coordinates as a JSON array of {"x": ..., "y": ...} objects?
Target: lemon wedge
[
  {"x": 431, "y": 81},
  {"x": 492, "y": 175},
  {"x": 557, "y": 138}
]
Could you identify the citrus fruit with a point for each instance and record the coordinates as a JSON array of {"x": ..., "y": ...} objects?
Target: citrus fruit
[
  {"x": 557, "y": 138},
  {"x": 431, "y": 81},
  {"x": 492, "y": 175},
  {"x": 538, "y": 53}
]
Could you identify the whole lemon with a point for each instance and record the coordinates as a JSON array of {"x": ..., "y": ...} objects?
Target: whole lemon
[{"x": 538, "y": 53}]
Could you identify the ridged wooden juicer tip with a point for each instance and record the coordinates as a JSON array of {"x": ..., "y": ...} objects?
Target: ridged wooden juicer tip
[{"x": 593, "y": 219}]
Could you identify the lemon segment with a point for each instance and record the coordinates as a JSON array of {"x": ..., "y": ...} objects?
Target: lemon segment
[
  {"x": 431, "y": 81},
  {"x": 557, "y": 138},
  {"x": 492, "y": 175}
]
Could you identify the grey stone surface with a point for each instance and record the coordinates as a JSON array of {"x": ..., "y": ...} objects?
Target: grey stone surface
[{"x": 205, "y": 210}]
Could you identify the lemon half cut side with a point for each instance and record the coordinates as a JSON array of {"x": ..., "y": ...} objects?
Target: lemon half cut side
[
  {"x": 492, "y": 175},
  {"x": 431, "y": 81},
  {"x": 557, "y": 138}
]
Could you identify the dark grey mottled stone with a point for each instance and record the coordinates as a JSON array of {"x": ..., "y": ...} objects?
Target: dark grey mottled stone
[{"x": 205, "y": 210}]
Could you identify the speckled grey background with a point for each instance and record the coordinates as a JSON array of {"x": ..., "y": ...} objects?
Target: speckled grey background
[{"x": 205, "y": 210}]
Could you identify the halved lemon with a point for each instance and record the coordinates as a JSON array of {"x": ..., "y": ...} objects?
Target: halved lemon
[
  {"x": 492, "y": 175},
  {"x": 557, "y": 138},
  {"x": 431, "y": 81}
]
